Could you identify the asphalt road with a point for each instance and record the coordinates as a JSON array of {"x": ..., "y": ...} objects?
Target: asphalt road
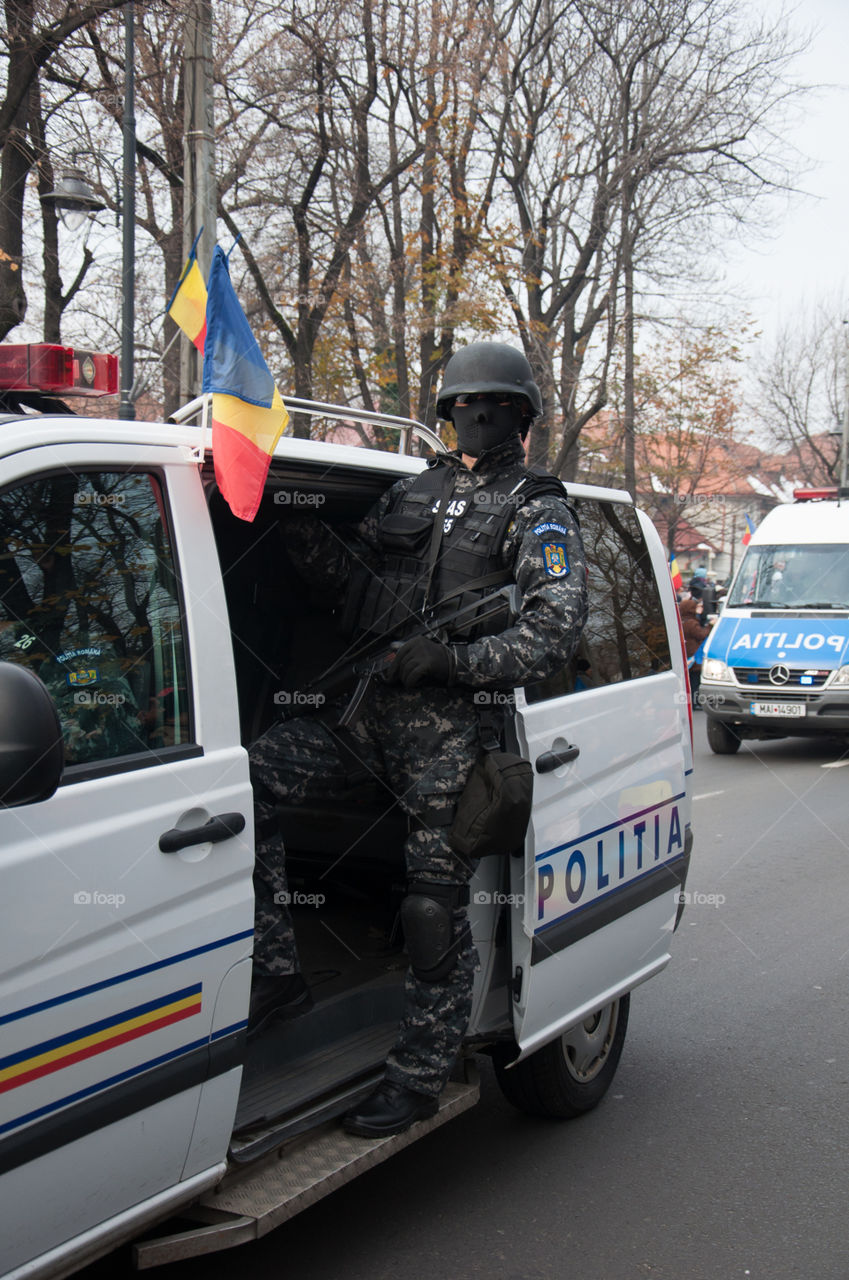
[{"x": 720, "y": 1151}]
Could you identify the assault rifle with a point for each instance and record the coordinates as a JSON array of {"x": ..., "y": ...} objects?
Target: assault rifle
[{"x": 377, "y": 656}]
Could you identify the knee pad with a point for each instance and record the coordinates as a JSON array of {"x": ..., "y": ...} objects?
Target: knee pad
[{"x": 427, "y": 915}]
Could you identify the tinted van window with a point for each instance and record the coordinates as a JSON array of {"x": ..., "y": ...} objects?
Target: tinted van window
[
  {"x": 625, "y": 636},
  {"x": 89, "y": 602}
]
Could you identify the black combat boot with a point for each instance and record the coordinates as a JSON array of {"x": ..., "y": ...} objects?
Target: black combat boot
[
  {"x": 390, "y": 1109},
  {"x": 283, "y": 997}
]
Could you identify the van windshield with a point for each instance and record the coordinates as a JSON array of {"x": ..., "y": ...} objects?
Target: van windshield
[{"x": 812, "y": 576}]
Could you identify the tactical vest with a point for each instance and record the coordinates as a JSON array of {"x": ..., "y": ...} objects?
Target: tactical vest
[{"x": 455, "y": 583}]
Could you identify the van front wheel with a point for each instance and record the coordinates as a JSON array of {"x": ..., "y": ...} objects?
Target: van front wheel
[
  {"x": 571, "y": 1075},
  {"x": 722, "y": 739}
]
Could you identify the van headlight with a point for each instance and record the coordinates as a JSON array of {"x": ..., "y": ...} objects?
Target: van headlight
[
  {"x": 841, "y": 676},
  {"x": 718, "y": 672}
]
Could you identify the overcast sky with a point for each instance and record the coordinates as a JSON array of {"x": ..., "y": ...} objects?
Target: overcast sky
[{"x": 806, "y": 260}]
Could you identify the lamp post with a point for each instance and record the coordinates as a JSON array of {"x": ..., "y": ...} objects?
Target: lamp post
[{"x": 126, "y": 408}]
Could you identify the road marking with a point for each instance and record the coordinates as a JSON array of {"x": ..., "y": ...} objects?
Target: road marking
[
  {"x": 707, "y": 795},
  {"x": 835, "y": 764}
]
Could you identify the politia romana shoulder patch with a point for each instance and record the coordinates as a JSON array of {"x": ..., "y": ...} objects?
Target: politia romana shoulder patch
[
  {"x": 555, "y": 559},
  {"x": 550, "y": 526}
]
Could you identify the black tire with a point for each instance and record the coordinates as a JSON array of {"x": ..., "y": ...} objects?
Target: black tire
[
  {"x": 722, "y": 739},
  {"x": 571, "y": 1075}
]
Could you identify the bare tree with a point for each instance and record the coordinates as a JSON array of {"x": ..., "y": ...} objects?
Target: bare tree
[
  {"x": 701, "y": 94},
  {"x": 408, "y": 175},
  {"x": 801, "y": 393},
  {"x": 28, "y": 48},
  {"x": 634, "y": 122}
]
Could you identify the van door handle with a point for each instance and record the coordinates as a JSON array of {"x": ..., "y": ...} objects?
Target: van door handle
[
  {"x": 550, "y": 760},
  {"x": 223, "y": 827}
]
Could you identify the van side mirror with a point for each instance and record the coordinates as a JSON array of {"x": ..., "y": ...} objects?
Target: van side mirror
[{"x": 32, "y": 754}]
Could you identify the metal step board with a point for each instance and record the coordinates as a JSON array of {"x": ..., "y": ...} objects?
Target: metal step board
[
  {"x": 251, "y": 1202},
  {"x": 290, "y": 1086},
  {"x": 293, "y": 1063}
]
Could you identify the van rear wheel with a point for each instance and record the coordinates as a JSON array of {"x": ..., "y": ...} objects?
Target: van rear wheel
[
  {"x": 722, "y": 739},
  {"x": 571, "y": 1075}
]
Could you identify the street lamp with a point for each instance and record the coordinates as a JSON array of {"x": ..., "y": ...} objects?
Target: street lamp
[{"x": 73, "y": 198}]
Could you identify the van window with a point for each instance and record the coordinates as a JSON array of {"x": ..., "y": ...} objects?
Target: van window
[
  {"x": 89, "y": 602},
  {"x": 625, "y": 635},
  {"x": 806, "y": 576}
]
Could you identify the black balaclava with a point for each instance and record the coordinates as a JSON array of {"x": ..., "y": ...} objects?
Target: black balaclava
[{"x": 484, "y": 424}]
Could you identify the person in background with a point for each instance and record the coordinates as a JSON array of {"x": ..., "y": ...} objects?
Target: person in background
[
  {"x": 695, "y": 634},
  {"x": 709, "y": 597}
]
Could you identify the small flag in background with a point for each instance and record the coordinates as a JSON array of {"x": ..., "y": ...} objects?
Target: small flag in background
[
  {"x": 677, "y": 580},
  {"x": 749, "y": 530},
  {"x": 248, "y": 414},
  {"x": 187, "y": 307}
]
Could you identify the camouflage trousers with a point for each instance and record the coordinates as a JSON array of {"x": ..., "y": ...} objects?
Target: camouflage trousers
[{"x": 421, "y": 744}]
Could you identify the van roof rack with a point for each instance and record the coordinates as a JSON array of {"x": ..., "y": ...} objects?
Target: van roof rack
[{"x": 408, "y": 428}]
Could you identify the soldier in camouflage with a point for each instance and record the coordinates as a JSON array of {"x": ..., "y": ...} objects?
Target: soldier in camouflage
[{"x": 433, "y": 566}]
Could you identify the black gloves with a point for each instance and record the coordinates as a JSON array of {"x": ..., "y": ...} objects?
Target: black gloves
[{"x": 422, "y": 661}]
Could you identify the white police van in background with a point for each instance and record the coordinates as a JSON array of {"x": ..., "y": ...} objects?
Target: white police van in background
[
  {"x": 777, "y": 662},
  {"x": 166, "y": 635}
]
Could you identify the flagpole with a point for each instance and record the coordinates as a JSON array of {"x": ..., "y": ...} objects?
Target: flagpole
[
  {"x": 127, "y": 408},
  {"x": 204, "y": 427}
]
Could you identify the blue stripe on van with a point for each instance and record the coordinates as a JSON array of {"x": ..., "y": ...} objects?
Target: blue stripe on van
[
  {"x": 125, "y": 977},
  {"x": 611, "y": 826}
]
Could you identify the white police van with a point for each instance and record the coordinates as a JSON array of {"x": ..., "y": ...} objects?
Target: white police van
[
  {"x": 166, "y": 635},
  {"x": 777, "y": 662}
]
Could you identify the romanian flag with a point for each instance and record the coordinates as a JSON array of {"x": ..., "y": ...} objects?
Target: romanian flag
[
  {"x": 747, "y": 535},
  {"x": 248, "y": 414},
  {"x": 677, "y": 580},
  {"x": 187, "y": 307}
]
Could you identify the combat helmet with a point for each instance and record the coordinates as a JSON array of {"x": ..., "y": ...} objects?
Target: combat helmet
[{"x": 488, "y": 366}]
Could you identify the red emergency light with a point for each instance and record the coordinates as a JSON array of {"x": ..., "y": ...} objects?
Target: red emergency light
[
  {"x": 812, "y": 495},
  {"x": 56, "y": 370}
]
